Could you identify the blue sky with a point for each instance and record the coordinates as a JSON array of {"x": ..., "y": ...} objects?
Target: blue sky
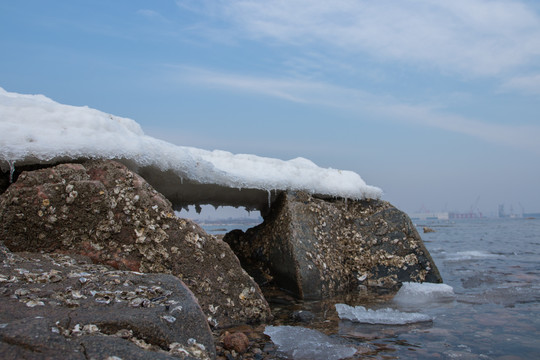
[{"x": 436, "y": 102}]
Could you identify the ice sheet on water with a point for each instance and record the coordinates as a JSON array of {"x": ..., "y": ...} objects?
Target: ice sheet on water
[
  {"x": 420, "y": 293},
  {"x": 385, "y": 316},
  {"x": 302, "y": 343}
]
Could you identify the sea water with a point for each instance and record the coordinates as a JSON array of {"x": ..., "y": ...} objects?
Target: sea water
[{"x": 489, "y": 307}]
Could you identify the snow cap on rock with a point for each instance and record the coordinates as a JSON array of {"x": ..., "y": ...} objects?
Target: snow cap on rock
[{"x": 37, "y": 130}]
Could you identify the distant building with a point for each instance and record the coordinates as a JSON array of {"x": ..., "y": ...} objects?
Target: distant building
[
  {"x": 501, "y": 213},
  {"x": 430, "y": 216},
  {"x": 445, "y": 215},
  {"x": 467, "y": 215}
]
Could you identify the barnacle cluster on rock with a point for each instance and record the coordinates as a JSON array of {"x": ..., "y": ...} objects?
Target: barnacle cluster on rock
[
  {"x": 54, "y": 287},
  {"x": 319, "y": 248},
  {"x": 102, "y": 210},
  {"x": 372, "y": 253}
]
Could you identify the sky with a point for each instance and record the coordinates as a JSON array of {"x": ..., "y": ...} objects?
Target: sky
[{"x": 436, "y": 102}]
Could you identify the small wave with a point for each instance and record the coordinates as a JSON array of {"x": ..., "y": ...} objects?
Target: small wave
[
  {"x": 507, "y": 296},
  {"x": 471, "y": 255}
]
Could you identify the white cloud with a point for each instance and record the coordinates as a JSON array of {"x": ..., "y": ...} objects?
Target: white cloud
[
  {"x": 358, "y": 101},
  {"x": 527, "y": 84},
  {"x": 284, "y": 89},
  {"x": 472, "y": 37},
  {"x": 517, "y": 136},
  {"x": 153, "y": 15}
]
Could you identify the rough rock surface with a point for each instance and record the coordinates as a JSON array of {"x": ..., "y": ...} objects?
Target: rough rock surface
[
  {"x": 238, "y": 342},
  {"x": 102, "y": 210},
  {"x": 320, "y": 248},
  {"x": 58, "y": 307}
]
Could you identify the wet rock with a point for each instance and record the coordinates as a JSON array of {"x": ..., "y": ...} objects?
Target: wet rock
[
  {"x": 102, "y": 210},
  {"x": 58, "y": 306},
  {"x": 303, "y": 316},
  {"x": 318, "y": 248},
  {"x": 238, "y": 342},
  {"x": 427, "y": 230}
]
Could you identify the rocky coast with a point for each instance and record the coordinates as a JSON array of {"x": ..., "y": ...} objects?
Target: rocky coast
[{"x": 96, "y": 265}]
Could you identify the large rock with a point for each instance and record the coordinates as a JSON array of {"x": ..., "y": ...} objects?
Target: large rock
[
  {"x": 62, "y": 307},
  {"x": 102, "y": 210},
  {"x": 319, "y": 248}
]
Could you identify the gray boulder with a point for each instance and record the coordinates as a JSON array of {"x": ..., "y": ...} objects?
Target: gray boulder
[
  {"x": 317, "y": 248},
  {"x": 64, "y": 307},
  {"x": 102, "y": 210}
]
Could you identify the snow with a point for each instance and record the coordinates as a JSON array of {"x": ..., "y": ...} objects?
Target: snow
[
  {"x": 386, "y": 316},
  {"x": 302, "y": 343},
  {"x": 37, "y": 130},
  {"x": 421, "y": 293}
]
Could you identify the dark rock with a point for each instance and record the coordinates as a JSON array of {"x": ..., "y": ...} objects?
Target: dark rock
[
  {"x": 102, "y": 210},
  {"x": 238, "y": 342},
  {"x": 62, "y": 307},
  {"x": 319, "y": 248},
  {"x": 303, "y": 316},
  {"x": 4, "y": 181}
]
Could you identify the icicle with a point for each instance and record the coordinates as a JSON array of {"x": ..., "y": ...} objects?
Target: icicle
[
  {"x": 11, "y": 170},
  {"x": 269, "y": 198},
  {"x": 181, "y": 180}
]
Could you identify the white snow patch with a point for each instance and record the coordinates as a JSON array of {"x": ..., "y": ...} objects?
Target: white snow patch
[
  {"x": 419, "y": 293},
  {"x": 385, "y": 316},
  {"x": 37, "y": 130},
  {"x": 302, "y": 343}
]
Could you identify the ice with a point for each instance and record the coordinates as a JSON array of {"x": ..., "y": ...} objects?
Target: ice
[
  {"x": 385, "y": 316},
  {"x": 11, "y": 170},
  {"x": 421, "y": 293},
  {"x": 37, "y": 130},
  {"x": 302, "y": 343}
]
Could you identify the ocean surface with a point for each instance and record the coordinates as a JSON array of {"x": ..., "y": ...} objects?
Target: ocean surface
[{"x": 493, "y": 266}]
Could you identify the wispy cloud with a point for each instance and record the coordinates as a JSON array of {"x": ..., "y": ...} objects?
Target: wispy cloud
[
  {"x": 152, "y": 14},
  {"x": 288, "y": 90},
  {"x": 517, "y": 136},
  {"x": 358, "y": 101},
  {"x": 529, "y": 84},
  {"x": 470, "y": 37}
]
